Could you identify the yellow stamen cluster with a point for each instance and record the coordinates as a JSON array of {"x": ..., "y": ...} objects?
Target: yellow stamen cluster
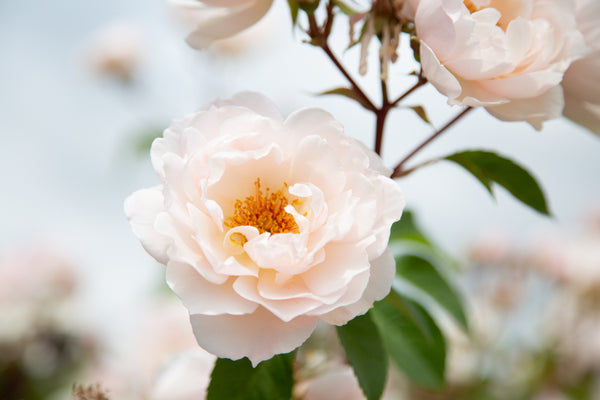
[
  {"x": 264, "y": 211},
  {"x": 471, "y": 6}
]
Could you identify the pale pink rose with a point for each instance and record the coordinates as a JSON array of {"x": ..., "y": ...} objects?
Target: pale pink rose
[
  {"x": 267, "y": 224},
  {"x": 582, "y": 79},
  {"x": 218, "y": 19},
  {"x": 508, "y": 56}
]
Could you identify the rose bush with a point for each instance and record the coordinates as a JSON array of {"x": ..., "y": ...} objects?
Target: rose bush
[
  {"x": 266, "y": 224},
  {"x": 582, "y": 79},
  {"x": 218, "y": 19},
  {"x": 508, "y": 56}
]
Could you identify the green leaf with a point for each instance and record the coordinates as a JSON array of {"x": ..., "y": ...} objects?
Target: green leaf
[
  {"x": 366, "y": 354},
  {"x": 238, "y": 380},
  {"x": 421, "y": 273},
  {"x": 489, "y": 167},
  {"x": 412, "y": 339},
  {"x": 345, "y": 8},
  {"x": 420, "y": 111},
  {"x": 294, "y": 8},
  {"x": 406, "y": 229},
  {"x": 348, "y": 92},
  {"x": 415, "y": 45}
]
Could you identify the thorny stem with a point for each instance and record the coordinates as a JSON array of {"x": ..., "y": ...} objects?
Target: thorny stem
[{"x": 399, "y": 171}]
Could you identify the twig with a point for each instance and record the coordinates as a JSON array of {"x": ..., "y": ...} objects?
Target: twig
[{"x": 398, "y": 171}]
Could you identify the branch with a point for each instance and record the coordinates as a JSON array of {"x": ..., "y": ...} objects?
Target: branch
[{"x": 399, "y": 171}]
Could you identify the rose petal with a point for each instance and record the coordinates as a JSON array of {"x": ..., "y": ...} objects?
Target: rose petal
[
  {"x": 258, "y": 336},
  {"x": 383, "y": 270},
  {"x": 202, "y": 297},
  {"x": 141, "y": 209}
]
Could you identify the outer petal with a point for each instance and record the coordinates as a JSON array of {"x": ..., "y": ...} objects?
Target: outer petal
[
  {"x": 226, "y": 22},
  {"x": 438, "y": 75},
  {"x": 383, "y": 270},
  {"x": 202, "y": 297},
  {"x": 258, "y": 336},
  {"x": 141, "y": 209},
  {"x": 584, "y": 114},
  {"x": 535, "y": 110}
]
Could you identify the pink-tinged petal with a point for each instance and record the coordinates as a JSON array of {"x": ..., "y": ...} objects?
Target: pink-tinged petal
[
  {"x": 582, "y": 79},
  {"x": 209, "y": 239},
  {"x": 582, "y": 113},
  {"x": 226, "y": 23},
  {"x": 184, "y": 249},
  {"x": 255, "y": 102},
  {"x": 285, "y": 309},
  {"x": 258, "y": 336},
  {"x": 535, "y": 110},
  {"x": 281, "y": 252},
  {"x": 390, "y": 211},
  {"x": 342, "y": 263},
  {"x": 383, "y": 270},
  {"x": 141, "y": 209},
  {"x": 437, "y": 74},
  {"x": 317, "y": 163},
  {"x": 435, "y": 27},
  {"x": 524, "y": 86},
  {"x": 202, "y": 297}
]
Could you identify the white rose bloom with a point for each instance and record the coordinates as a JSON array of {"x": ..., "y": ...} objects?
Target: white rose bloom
[
  {"x": 267, "y": 224},
  {"x": 508, "y": 56},
  {"x": 582, "y": 79},
  {"x": 218, "y": 19}
]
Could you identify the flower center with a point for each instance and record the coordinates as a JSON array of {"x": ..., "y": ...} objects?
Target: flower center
[
  {"x": 264, "y": 211},
  {"x": 509, "y": 9}
]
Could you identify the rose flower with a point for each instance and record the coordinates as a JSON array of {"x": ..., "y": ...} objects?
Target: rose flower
[
  {"x": 218, "y": 19},
  {"x": 582, "y": 79},
  {"x": 266, "y": 224},
  {"x": 508, "y": 56}
]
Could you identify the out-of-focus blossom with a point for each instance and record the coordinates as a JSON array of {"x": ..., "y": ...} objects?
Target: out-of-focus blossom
[
  {"x": 184, "y": 377},
  {"x": 582, "y": 80},
  {"x": 490, "y": 248},
  {"x": 507, "y": 56},
  {"x": 42, "y": 341},
  {"x": 573, "y": 261},
  {"x": 337, "y": 383},
  {"x": 116, "y": 50},
  {"x": 267, "y": 224},
  {"x": 130, "y": 370},
  {"x": 218, "y": 19}
]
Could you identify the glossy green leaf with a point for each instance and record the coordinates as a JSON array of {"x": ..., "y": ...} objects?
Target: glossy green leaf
[
  {"x": 238, "y": 380},
  {"x": 365, "y": 351},
  {"x": 412, "y": 339},
  {"x": 351, "y": 94},
  {"x": 421, "y": 273},
  {"x": 489, "y": 167}
]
